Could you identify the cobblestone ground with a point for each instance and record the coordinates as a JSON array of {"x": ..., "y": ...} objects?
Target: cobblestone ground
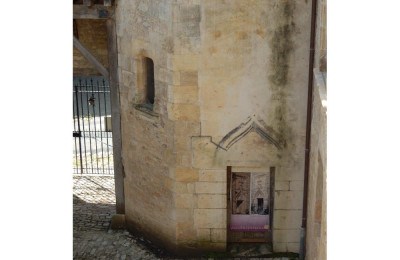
[{"x": 94, "y": 205}]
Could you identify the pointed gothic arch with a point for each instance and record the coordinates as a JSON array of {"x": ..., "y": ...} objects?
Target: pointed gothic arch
[{"x": 251, "y": 125}]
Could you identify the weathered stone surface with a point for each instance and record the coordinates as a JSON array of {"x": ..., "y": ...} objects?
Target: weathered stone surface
[
  {"x": 186, "y": 112},
  {"x": 212, "y": 201},
  {"x": 186, "y": 231},
  {"x": 188, "y": 29},
  {"x": 230, "y": 90},
  {"x": 186, "y": 175},
  {"x": 210, "y": 187},
  {"x": 188, "y": 78},
  {"x": 185, "y": 201},
  {"x": 210, "y": 218},
  {"x": 181, "y": 187},
  {"x": 290, "y": 174},
  {"x": 287, "y": 236},
  {"x": 183, "y": 215},
  {"x": 203, "y": 234},
  {"x": 288, "y": 200},
  {"x": 281, "y": 185},
  {"x": 280, "y": 247},
  {"x": 297, "y": 185},
  {"x": 190, "y": 13},
  {"x": 187, "y": 128},
  {"x": 186, "y": 62},
  {"x": 218, "y": 235},
  {"x": 190, "y": 187},
  {"x": 169, "y": 183},
  {"x": 185, "y": 94},
  {"x": 127, "y": 78},
  {"x": 287, "y": 219},
  {"x": 317, "y": 198},
  {"x": 212, "y": 175},
  {"x": 293, "y": 247},
  {"x": 182, "y": 143}
]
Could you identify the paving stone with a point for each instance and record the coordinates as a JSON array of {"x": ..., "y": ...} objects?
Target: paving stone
[{"x": 94, "y": 206}]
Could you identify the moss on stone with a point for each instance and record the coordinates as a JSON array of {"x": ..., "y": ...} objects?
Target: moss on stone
[{"x": 281, "y": 45}]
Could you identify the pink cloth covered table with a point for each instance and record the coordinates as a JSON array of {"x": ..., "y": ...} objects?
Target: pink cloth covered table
[{"x": 249, "y": 222}]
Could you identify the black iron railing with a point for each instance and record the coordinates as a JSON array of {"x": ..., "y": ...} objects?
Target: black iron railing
[{"x": 92, "y": 151}]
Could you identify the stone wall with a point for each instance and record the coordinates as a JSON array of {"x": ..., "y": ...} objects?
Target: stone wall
[
  {"x": 92, "y": 33},
  {"x": 321, "y": 37},
  {"x": 144, "y": 29},
  {"x": 231, "y": 90},
  {"x": 252, "y": 89},
  {"x": 317, "y": 200},
  {"x": 316, "y": 218}
]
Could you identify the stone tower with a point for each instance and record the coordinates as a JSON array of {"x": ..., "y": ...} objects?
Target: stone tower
[{"x": 211, "y": 89}]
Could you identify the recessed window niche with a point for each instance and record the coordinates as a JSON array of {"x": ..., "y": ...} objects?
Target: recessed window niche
[
  {"x": 149, "y": 84},
  {"x": 145, "y": 92}
]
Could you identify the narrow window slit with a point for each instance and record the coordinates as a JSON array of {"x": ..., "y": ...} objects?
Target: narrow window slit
[{"x": 149, "y": 85}]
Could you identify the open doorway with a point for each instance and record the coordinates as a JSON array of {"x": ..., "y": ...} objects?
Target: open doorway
[{"x": 250, "y": 202}]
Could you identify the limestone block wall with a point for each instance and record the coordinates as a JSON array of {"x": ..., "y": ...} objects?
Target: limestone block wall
[
  {"x": 317, "y": 195},
  {"x": 92, "y": 33},
  {"x": 321, "y": 37},
  {"x": 317, "y": 207},
  {"x": 144, "y": 29},
  {"x": 231, "y": 90},
  {"x": 252, "y": 80}
]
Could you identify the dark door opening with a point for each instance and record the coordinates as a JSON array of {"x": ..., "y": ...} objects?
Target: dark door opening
[{"x": 260, "y": 205}]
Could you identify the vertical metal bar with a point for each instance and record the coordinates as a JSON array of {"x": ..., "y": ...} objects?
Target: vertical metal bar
[
  {"x": 94, "y": 120},
  {"x": 105, "y": 113},
  {"x": 79, "y": 128},
  {"x": 83, "y": 125},
  {"x": 101, "y": 125},
  {"x": 90, "y": 135},
  {"x": 76, "y": 148}
]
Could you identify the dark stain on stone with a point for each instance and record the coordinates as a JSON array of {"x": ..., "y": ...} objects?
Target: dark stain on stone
[
  {"x": 242, "y": 36},
  {"x": 281, "y": 48},
  {"x": 168, "y": 45},
  {"x": 281, "y": 45}
]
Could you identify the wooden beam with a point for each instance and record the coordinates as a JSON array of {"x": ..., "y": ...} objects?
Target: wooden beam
[
  {"x": 271, "y": 203},
  {"x": 115, "y": 116},
  {"x": 92, "y": 59},
  {"x": 93, "y": 12}
]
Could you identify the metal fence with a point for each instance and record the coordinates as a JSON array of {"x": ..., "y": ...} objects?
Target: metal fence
[{"x": 92, "y": 136}]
